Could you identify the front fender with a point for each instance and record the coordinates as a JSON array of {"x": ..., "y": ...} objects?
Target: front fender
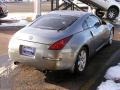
[{"x": 110, "y": 26}]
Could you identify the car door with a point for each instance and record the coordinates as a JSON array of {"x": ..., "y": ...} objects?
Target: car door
[{"x": 97, "y": 30}]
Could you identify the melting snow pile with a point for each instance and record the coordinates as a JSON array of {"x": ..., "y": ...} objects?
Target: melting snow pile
[
  {"x": 20, "y": 18},
  {"x": 18, "y": 23},
  {"x": 109, "y": 85},
  {"x": 113, "y": 73},
  {"x": 112, "y": 77}
]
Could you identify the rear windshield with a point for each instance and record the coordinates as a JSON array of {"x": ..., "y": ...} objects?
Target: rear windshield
[{"x": 53, "y": 22}]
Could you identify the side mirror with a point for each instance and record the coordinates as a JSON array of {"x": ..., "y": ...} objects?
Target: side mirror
[{"x": 97, "y": 24}]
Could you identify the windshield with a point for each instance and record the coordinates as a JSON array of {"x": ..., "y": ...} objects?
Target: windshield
[{"x": 53, "y": 22}]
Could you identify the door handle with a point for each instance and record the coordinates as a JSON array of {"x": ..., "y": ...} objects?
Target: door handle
[{"x": 91, "y": 33}]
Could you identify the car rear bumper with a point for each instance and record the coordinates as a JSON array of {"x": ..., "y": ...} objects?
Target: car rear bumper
[{"x": 44, "y": 59}]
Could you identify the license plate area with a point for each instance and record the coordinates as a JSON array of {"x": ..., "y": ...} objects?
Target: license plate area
[{"x": 27, "y": 51}]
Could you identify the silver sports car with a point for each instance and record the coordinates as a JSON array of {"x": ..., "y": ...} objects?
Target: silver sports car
[{"x": 60, "y": 40}]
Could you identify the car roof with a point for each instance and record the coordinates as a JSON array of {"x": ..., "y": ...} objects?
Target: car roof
[{"x": 69, "y": 12}]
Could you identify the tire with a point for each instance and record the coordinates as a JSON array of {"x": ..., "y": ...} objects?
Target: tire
[
  {"x": 112, "y": 13},
  {"x": 99, "y": 13},
  {"x": 111, "y": 37},
  {"x": 81, "y": 61}
]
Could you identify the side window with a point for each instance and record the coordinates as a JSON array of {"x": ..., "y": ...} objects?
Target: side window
[
  {"x": 85, "y": 25},
  {"x": 93, "y": 21}
]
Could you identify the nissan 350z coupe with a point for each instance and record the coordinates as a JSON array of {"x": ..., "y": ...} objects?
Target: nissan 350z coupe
[{"x": 60, "y": 40}]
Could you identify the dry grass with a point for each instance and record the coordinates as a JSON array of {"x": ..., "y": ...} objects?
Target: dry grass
[{"x": 28, "y": 78}]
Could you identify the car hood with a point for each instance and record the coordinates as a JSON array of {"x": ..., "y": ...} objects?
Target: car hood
[{"x": 41, "y": 35}]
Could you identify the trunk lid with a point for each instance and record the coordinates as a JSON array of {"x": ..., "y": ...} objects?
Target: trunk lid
[{"x": 40, "y": 35}]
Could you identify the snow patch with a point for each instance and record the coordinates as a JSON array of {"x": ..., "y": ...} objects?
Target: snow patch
[
  {"x": 22, "y": 22},
  {"x": 112, "y": 77},
  {"x": 19, "y": 23},
  {"x": 109, "y": 85},
  {"x": 113, "y": 73}
]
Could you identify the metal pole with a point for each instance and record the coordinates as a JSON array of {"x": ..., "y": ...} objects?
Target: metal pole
[
  {"x": 37, "y": 7},
  {"x": 57, "y": 4},
  {"x": 52, "y": 1}
]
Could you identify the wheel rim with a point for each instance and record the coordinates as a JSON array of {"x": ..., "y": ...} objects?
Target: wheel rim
[
  {"x": 111, "y": 14},
  {"x": 111, "y": 37},
  {"x": 82, "y": 60}
]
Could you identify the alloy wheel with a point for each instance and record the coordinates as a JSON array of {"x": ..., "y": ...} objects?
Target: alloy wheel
[
  {"x": 82, "y": 58},
  {"x": 112, "y": 13}
]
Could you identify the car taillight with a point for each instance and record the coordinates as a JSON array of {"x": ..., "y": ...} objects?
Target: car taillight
[{"x": 60, "y": 44}]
